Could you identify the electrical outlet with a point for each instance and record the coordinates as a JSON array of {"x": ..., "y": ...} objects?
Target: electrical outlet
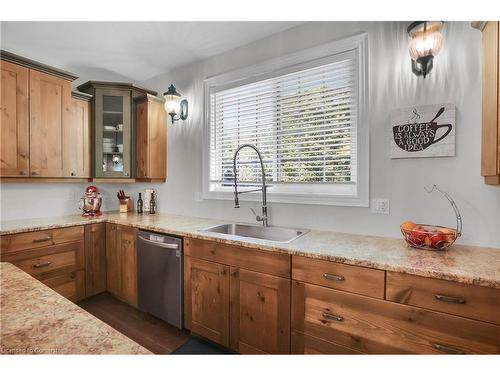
[{"x": 381, "y": 206}]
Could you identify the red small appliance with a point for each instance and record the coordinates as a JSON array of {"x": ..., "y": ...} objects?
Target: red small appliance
[{"x": 91, "y": 202}]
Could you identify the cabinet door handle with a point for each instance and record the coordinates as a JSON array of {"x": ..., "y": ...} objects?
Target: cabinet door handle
[
  {"x": 447, "y": 349},
  {"x": 333, "y": 277},
  {"x": 330, "y": 316},
  {"x": 449, "y": 299},
  {"x": 43, "y": 264},
  {"x": 23, "y": 173},
  {"x": 34, "y": 173},
  {"x": 44, "y": 239}
]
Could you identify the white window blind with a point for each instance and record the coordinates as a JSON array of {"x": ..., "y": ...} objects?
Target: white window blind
[{"x": 303, "y": 122}]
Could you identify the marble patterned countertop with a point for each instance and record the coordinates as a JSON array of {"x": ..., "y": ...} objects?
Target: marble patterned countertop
[
  {"x": 466, "y": 264},
  {"x": 37, "y": 320}
]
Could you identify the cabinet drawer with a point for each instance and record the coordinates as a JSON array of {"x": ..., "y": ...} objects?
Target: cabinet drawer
[
  {"x": 251, "y": 259},
  {"x": 70, "y": 285},
  {"x": 469, "y": 301},
  {"x": 68, "y": 256},
  {"x": 369, "y": 325},
  {"x": 306, "y": 344},
  {"x": 43, "y": 238},
  {"x": 366, "y": 281}
]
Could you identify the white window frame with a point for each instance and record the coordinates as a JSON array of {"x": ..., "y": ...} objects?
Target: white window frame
[{"x": 329, "y": 194}]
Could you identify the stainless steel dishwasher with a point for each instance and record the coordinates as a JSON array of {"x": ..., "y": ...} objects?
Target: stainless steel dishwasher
[{"x": 159, "y": 276}]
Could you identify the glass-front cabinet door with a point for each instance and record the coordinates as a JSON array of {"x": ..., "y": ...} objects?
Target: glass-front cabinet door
[{"x": 112, "y": 137}]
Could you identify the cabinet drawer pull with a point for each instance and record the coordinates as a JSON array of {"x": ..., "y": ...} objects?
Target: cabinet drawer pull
[
  {"x": 37, "y": 240},
  {"x": 329, "y": 316},
  {"x": 447, "y": 349},
  {"x": 449, "y": 299},
  {"x": 43, "y": 264},
  {"x": 333, "y": 277}
]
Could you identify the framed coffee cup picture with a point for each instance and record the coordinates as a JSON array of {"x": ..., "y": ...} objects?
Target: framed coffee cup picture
[{"x": 423, "y": 131}]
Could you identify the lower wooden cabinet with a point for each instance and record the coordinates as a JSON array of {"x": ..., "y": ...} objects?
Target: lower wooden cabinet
[
  {"x": 307, "y": 344},
  {"x": 121, "y": 262},
  {"x": 243, "y": 309},
  {"x": 70, "y": 285},
  {"x": 95, "y": 259},
  {"x": 370, "y": 325},
  {"x": 207, "y": 299},
  {"x": 259, "y": 312},
  {"x": 56, "y": 257}
]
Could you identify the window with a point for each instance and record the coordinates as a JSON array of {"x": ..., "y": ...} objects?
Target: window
[{"x": 305, "y": 113}]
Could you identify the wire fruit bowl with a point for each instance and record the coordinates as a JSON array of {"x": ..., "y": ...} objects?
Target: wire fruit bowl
[{"x": 432, "y": 237}]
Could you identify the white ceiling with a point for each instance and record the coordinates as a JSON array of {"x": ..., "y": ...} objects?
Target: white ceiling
[{"x": 135, "y": 51}]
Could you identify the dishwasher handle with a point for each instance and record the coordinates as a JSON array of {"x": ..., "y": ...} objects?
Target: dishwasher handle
[{"x": 172, "y": 246}]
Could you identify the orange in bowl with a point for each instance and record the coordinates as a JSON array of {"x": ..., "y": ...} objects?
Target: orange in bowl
[{"x": 408, "y": 225}]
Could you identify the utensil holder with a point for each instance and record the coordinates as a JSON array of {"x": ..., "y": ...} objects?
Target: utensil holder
[{"x": 125, "y": 205}]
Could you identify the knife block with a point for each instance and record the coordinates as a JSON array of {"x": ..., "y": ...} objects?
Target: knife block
[{"x": 125, "y": 205}]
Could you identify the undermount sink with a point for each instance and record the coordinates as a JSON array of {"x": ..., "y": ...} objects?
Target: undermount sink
[{"x": 276, "y": 234}]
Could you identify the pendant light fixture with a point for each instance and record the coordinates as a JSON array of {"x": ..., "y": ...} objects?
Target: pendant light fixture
[
  {"x": 426, "y": 41},
  {"x": 175, "y": 107}
]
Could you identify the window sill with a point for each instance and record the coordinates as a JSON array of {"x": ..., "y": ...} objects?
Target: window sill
[{"x": 322, "y": 199}]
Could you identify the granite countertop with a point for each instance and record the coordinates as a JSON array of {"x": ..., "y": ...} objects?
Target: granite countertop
[
  {"x": 466, "y": 264},
  {"x": 37, "y": 320}
]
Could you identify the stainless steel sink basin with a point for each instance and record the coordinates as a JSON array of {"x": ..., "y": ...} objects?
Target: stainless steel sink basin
[{"x": 276, "y": 234}]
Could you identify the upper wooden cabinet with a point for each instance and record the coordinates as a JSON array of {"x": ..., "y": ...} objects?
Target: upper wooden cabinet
[
  {"x": 114, "y": 127},
  {"x": 151, "y": 139},
  {"x": 490, "y": 150},
  {"x": 14, "y": 147},
  {"x": 45, "y": 132},
  {"x": 49, "y": 98},
  {"x": 77, "y": 152}
]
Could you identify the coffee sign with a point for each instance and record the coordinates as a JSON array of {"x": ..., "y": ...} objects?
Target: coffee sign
[{"x": 424, "y": 131}]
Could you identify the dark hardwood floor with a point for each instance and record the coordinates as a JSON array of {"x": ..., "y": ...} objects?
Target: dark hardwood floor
[{"x": 148, "y": 331}]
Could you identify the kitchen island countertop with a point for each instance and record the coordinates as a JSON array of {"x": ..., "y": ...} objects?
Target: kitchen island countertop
[
  {"x": 37, "y": 320},
  {"x": 463, "y": 263}
]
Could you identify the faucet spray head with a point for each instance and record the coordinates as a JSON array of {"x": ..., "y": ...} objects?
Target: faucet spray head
[{"x": 236, "y": 201}]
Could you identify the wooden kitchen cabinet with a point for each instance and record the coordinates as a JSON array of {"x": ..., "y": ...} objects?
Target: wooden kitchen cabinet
[
  {"x": 56, "y": 257},
  {"x": 77, "y": 152},
  {"x": 208, "y": 299},
  {"x": 14, "y": 141},
  {"x": 49, "y": 98},
  {"x": 45, "y": 128},
  {"x": 95, "y": 259},
  {"x": 370, "y": 325},
  {"x": 113, "y": 260},
  {"x": 259, "y": 312},
  {"x": 151, "y": 139},
  {"x": 490, "y": 148},
  {"x": 121, "y": 262},
  {"x": 246, "y": 309},
  {"x": 114, "y": 127}
]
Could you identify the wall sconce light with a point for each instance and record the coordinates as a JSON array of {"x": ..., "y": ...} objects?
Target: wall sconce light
[
  {"x": 425, "y": 43},
  {"x": 175, "y": 107}
]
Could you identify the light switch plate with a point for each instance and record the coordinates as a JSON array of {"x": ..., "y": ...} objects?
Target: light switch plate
[{"x": 381, "y": 206}]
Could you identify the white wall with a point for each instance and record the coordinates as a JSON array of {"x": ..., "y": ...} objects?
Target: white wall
[{"x": 456, "y": 78}]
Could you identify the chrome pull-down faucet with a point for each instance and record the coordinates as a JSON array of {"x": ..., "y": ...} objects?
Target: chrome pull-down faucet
[{"x": 262, "y": 218}]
